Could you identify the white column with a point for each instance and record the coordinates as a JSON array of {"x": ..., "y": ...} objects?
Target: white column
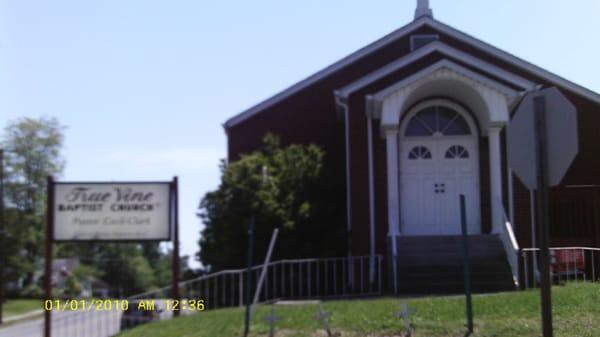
[
  {"x": 373, "y": 249},
  {"x": 391, "y": 136},
  {"x": 495, "y": 178}
]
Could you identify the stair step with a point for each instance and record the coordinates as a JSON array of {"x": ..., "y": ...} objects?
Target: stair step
[
  {"x": 426, "y": 289},
  {"x": 452, "y": 261},
  {"x": 447, "y": 268},
  {"x": 434, "y": 264}
]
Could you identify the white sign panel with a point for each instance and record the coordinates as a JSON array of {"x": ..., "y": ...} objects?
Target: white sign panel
[{"x": 112, "y": 211}]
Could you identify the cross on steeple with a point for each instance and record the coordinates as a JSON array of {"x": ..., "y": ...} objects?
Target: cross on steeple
[{"x": 423, "y": 9}]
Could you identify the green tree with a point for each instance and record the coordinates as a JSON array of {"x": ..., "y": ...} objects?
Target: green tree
[
  {"x": 33, "y": 152},
  {"x": 291, "y": 188},
  {"x": 127, "y": 268}
]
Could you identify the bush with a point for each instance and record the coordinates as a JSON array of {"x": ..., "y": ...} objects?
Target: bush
[{"x": 32, "y": 291}]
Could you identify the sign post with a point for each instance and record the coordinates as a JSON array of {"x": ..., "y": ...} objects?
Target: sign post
[
  {"x": 467, "y": 266},
  {"x": 553, "y": 145},
  {"x": 48, "y": 261},
  {"x": 176, "y": 263},
  {"x": 542, "y": 212},
  {"x": 249, "y": 277}
]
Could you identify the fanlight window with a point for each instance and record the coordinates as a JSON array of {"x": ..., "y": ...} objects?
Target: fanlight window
[
  {"x": 419, "y": 152},
  {"x": 437, "y": 120},
  {"x": 456, "y": 152}
]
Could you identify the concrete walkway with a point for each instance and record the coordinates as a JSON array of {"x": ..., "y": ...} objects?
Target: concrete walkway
[{"x": 23, "y": 316}]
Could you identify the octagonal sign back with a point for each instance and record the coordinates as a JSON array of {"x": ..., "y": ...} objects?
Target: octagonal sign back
[{"x": 561, "y": 135}]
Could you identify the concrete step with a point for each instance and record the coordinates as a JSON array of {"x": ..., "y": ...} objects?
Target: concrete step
[
  {"x": 438, "y": 288},
  {"x": 435, "y": 264}
]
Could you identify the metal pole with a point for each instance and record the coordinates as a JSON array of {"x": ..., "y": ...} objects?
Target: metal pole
[
  {"x": 48, "y": 262},
  {"x": 176, "y": 263},
  {"x": 265, "y": 265},
  {"x": 542, "y": 209},
  {"x": 467, "y": 267},
  {"x": 2, "y": 232},
  {"x": 249, "y": 275}
]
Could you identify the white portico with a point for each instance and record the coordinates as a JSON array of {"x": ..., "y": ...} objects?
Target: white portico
[{"x": 432, "y": 123}]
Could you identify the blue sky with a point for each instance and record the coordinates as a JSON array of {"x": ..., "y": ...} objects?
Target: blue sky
[{"x": 144, "y": 86}]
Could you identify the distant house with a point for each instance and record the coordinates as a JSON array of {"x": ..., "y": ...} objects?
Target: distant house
[
  {"x": 63, "y": 269},
  {"x": 413, "y": 120}
]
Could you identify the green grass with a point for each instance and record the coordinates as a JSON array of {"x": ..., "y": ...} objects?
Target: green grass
[
  {"x": 516, "y": 314},
  {"x": 19, "y": 306}
]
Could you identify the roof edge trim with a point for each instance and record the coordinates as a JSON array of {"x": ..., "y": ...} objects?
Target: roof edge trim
[{"x": 397, "y": 34}]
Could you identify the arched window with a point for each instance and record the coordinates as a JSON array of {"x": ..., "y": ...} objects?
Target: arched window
[
  {"x": 437, "y": 120},
  {"x": 456, "y": 152},
  {"x": 419, "y": 152}
]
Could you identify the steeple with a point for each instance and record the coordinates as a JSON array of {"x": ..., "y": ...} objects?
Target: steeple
[{"x": 423, "y": 9}]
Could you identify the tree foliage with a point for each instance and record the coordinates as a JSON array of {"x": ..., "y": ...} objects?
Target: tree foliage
[
  {"x": 32, "y": 152},
  {"x": 291, "y": 188}
]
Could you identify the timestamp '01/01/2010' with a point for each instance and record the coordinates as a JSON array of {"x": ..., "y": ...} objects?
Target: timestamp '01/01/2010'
[{"x": 124, "y": 305}]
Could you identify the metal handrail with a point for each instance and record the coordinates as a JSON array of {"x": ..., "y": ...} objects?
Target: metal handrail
[
  {"x": 241, "y": 272},
  {"x": 511, "y": 246},
  {"x": 278, "y": 262},
  {"x": 562, "y": 248},
  {"x": 530, "y": 254}
]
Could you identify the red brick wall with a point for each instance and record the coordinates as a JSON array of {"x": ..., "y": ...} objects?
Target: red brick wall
[{"x": 310, "y": 116}]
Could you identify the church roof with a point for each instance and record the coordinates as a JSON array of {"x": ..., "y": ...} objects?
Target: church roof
[{"x": 419, "y": 22}]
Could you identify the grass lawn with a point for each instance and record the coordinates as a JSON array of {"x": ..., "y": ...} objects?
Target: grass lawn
[
  {"x": 18, "y": 306},
  {"x": 516, "y": 314}
]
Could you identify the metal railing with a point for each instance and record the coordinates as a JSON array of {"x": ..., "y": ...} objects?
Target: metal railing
[
  {"x": 321, "y": 278},
  {"x": 290, "y": 279},
  {"x": 511, "y": 246},
  {"x": 568, "y": 264}
]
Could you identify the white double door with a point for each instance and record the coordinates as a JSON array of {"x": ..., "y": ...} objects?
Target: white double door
[{"x": 434, "y": 172}]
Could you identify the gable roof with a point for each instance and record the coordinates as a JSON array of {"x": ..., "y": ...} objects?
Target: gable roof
[
  {"x": 430, "y": 48},
  {"x": 398, "y": 34}
]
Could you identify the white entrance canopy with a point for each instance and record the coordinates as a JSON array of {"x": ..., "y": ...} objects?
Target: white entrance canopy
[
  {"x": 486, "y": 98},
  {"x": 485, "y": 89}
]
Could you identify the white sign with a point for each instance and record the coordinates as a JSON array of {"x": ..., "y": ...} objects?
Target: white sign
[{"x": 112, "y": 211}]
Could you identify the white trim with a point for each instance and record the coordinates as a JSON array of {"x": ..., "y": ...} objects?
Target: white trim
[
  {"x": 495, "y": 178},
  {"x": 532, "y": 219},
  {"x": 393, "y": 184},
  {"x": 516, "y": 61},
  {"x": 371, "y": 194},
  {"x": 490, "y": 99},
  {"x": 474, "y": 136},
  {"x": 511, "y": 197},
  {"x": 447, "y": 50},
  {"x": 393, "y": 197},
  {"x": 446, "y": 64},
  {"x": 438, "y": 102},
  {"x": 344, "y": 105},
  {"x": 357, "y": 55},
  {"x": 399, "y": 33},
  {"x": 421, "y": 36}
]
